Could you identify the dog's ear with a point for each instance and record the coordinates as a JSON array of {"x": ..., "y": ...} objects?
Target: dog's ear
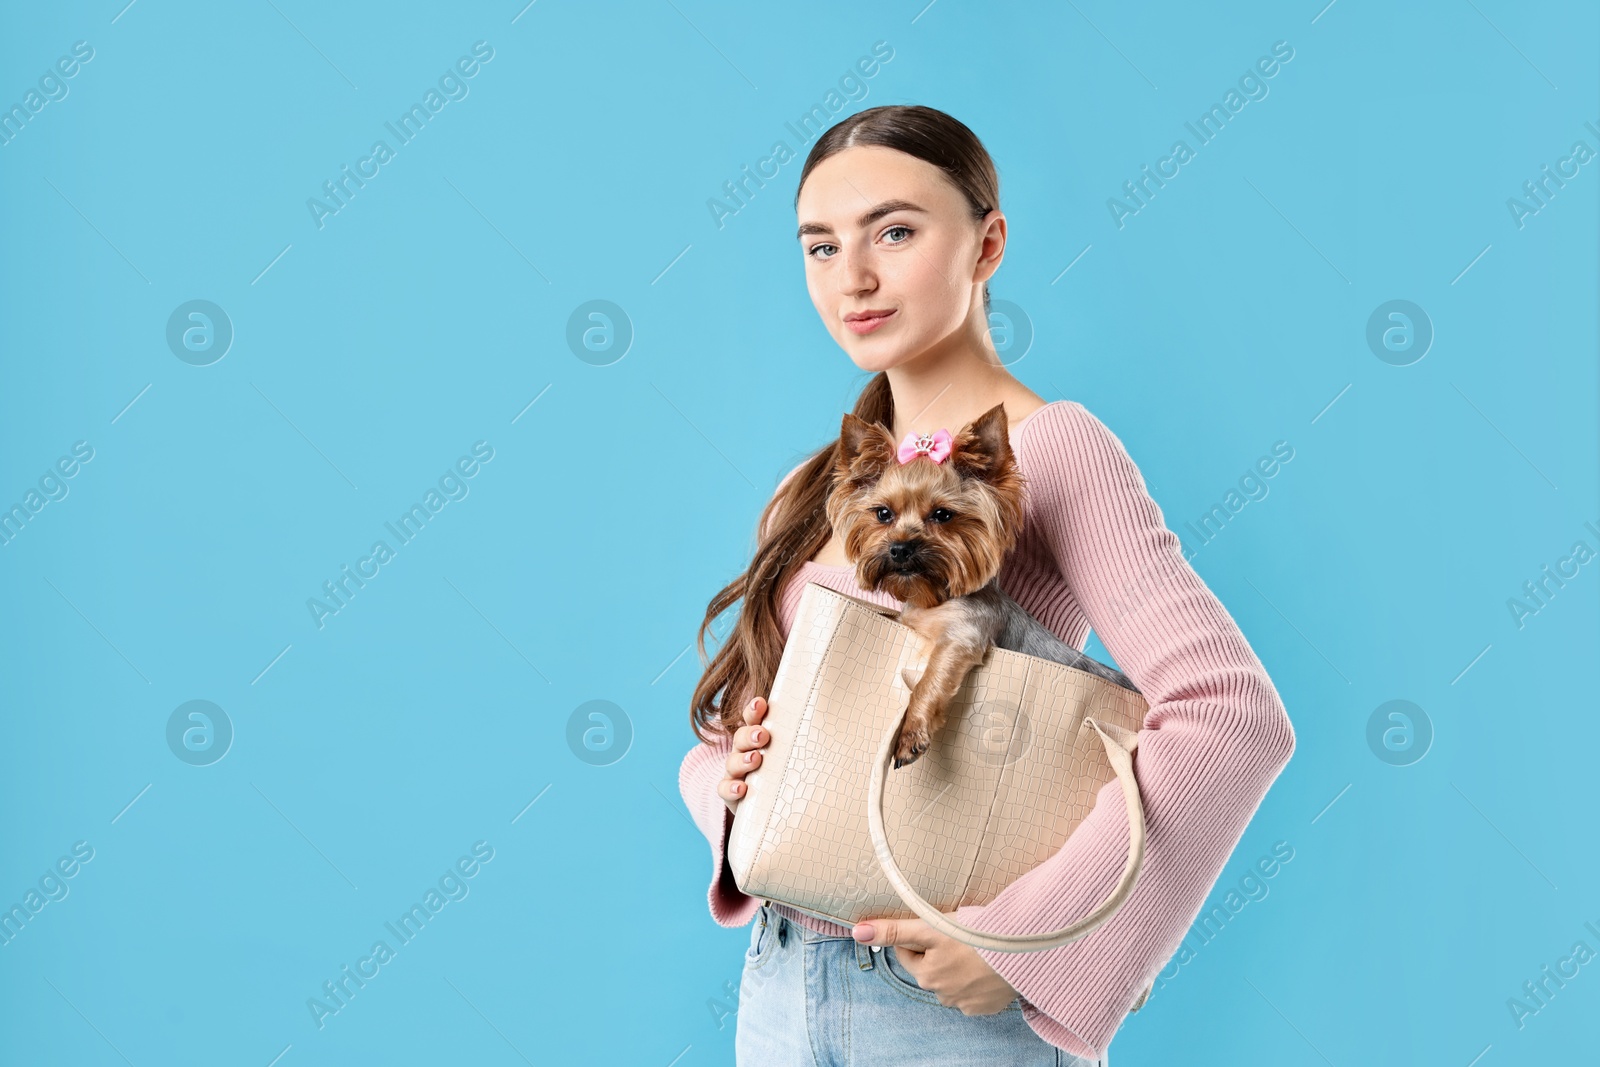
[
  {"x": 865, "y": 450},
  {"x": 983, "y": 447}
]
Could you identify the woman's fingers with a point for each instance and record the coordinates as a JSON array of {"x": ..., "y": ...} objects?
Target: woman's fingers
[
  {"x": 750, "y": 735},
  {"x": 742, "y": 763},
  {"x": 733, "y": 787},
  {"x": 745, "y": 757},
  {"x": 746, "y": 741}
]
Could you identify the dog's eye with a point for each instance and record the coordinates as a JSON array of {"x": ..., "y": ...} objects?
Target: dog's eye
[
  {"x": 884, "y": 514},
  {"x": 941, "y": 515}
]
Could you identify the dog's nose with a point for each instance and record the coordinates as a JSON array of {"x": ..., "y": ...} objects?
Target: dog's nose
[{"x": 901, "y": 551}]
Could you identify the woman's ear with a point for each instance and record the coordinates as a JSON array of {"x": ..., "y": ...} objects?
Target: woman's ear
[{"x": 991, "y": 245}]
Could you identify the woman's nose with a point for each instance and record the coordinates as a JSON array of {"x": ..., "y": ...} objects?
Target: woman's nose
[{"x": 856, "y": 273}]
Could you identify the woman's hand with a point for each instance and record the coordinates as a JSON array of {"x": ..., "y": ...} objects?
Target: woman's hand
[
  {"x": 745, "y": 757},
  {"x": 950, "y": 969}
]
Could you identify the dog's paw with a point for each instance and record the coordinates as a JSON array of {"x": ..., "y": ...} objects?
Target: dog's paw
[{"x": 912, "y": 743}]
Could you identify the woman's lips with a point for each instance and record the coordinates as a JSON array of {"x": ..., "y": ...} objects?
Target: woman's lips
[{"x": 865, "y": 326}]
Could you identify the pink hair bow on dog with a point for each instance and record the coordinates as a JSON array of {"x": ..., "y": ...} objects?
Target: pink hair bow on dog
[{"x": 936, "y": 446}]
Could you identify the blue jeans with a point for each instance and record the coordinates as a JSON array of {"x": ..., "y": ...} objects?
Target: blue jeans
[{"x": 810, "y": 999}]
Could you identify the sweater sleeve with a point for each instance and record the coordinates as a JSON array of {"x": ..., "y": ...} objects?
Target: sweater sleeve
[
  {"x": 1214, "y": 739},
  {"x": 698, "y": 776}
]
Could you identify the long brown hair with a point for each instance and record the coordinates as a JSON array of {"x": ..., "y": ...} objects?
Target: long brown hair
[{"x": 794, "y": 524}]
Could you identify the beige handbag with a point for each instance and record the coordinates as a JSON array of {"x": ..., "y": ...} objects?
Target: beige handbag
[{"x": 1024, "y": 750}]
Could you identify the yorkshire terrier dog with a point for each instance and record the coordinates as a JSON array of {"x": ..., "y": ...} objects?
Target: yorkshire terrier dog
[{"x": 930, "y": 521}]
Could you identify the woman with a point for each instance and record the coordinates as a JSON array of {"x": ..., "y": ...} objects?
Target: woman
[{"x": 900, "y": 230}]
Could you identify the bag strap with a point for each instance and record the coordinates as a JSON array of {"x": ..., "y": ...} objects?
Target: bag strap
[{"x": 1118, "y": 752}]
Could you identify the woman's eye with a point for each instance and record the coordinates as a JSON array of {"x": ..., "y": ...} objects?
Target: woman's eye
[
  {"x": 884, "y": 514},
  {"x": 941, "y": 515},
  {"x": 831, "y": 250}
]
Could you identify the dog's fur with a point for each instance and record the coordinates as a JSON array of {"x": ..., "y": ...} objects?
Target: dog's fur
[{"x": 934, "y": 535}]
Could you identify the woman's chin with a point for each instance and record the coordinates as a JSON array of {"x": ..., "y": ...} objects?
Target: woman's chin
[{"x": 872, "y": 357}]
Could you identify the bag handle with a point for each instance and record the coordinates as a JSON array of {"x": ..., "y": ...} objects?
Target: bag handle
[{"x": 1120, "y": 755}]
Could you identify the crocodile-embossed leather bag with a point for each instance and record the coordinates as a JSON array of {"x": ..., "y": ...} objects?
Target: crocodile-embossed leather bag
[{"x": 1026, "y": 746}]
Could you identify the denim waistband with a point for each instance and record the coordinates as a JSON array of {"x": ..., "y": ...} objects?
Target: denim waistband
[{"x": 787, "y": 928}]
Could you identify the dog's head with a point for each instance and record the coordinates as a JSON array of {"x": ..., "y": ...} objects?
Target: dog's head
[{"x": 925, "y": 531}]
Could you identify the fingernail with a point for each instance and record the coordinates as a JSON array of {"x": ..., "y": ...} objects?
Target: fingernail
[
  {"x": 738, "y": 788},
  {"x": 755, "y": 735},
  {"x": 749, "y": 757},
  {"x": 863, "y": 932},
  {"x": 753, "y": 703}
]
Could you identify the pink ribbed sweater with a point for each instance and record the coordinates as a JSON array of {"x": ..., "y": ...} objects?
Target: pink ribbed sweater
[{"x": 1094, "y": 552}]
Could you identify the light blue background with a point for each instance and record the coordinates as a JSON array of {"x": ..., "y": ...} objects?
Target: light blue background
[{"x": 1228, "y": 314}]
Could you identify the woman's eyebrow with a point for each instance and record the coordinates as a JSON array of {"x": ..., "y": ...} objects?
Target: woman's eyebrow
[{"x": 867, "y": 218}]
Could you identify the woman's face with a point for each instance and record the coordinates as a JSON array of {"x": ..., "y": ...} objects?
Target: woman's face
[{"x": 883, "y": 231}]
